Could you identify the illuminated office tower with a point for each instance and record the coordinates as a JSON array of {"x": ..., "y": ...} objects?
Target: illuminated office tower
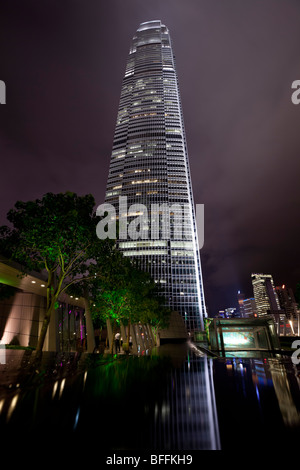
[
  {"x": 287, "y": 301},
  {"x": 264, "y": 294},
  {"x": 149, "y": 165},
  {"x": 241, "y": 298},
  {"x": 249, "y": 308}
]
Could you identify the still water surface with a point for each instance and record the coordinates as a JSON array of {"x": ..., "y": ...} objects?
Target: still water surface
[{"x": 174, "y": 399}]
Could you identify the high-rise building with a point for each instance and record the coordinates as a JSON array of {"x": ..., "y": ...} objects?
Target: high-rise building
[
  {"x": 231, "y": 312},
  {"x": 240, "y": 297},
  {"x": 287, "y": 300},
  {"x": 150, "y": 168},
  {"x": 264, "y": 294},
  {"x": 249, "y": 308}
]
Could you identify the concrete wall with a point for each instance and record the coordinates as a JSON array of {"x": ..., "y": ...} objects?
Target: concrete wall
[
  {"x": 20, "y": 318},
  {"x": 176, "y": 329}
]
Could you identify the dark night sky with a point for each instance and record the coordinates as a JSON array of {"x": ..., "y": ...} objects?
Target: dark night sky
[{"x": 63, "y": 64}]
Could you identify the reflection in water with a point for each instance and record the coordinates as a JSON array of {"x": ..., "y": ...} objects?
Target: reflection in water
[
  {"x": 12, "y": 405},
  {"x": 258, "y": 397},
  {"x": 289, "y": 412},
  {"x": 185, "y": 417},
  {"x": 163, "y": 401}
]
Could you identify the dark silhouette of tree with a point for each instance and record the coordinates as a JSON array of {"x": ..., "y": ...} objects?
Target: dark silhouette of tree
[{"x": 56, "y": 234}]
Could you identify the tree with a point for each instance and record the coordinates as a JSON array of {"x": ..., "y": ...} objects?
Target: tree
[
  {"x": 56, "y": 235},
  {"x": 128, "y": 295},
  {"x": 6, "y": 291}
]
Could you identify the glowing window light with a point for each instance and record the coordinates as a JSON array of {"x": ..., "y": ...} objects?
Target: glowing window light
[{"x": 235, "y": 339}]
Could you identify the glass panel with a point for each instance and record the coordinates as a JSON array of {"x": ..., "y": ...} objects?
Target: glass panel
[{"x": 238, "y": 339}]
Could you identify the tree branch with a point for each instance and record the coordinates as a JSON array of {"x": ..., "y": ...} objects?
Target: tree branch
[
  {"x": 61, "y": 260},
  {"x": 68, "y": 269},
  {"x": 81, "y": 279}
]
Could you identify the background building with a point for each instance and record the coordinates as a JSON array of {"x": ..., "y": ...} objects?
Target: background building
[
  {"x": 240, "y": 297},
  {"x": 287, "y": 301},
  {"x": 149, "y": 165},
  {"x": 249, "y": 308},
  {"x": 279, "y": 302},
  {"x": 264, "y": 294},
  {"x": 231, "y": 312}
]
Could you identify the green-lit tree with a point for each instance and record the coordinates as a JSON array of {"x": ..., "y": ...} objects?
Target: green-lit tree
[
  {"x": 128, "y": 295},
  {"x": 6, "y": 291},
  {"x": 56, "y": 234}
]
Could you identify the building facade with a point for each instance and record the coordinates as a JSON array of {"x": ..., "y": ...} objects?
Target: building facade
[
  {"x": 287, "y": 301},
  {"x": 249, "y": 308},
  {"x": 240, "y": 298},
  {"x": 264, "y": 294},
  {"x": 149, "y": 175},
  {"x": 231, "y": 312},
  {"x": 23, "y": 307}
]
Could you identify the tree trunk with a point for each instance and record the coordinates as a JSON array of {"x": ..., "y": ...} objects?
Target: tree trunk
[
  {"x": 42, "y": 335},
  {"x": 89, "y": 326},
  {"x": 111, "y": 347},
  {"x": 50, "y": 307},
  {"x": 128, "y": 336},
  {"x": 51, "y": 300}
]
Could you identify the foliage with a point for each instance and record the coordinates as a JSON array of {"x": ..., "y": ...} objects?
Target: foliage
[
  {"x": 129, "y": 295},
  {"x": 7, "y": 291},
  {"x": 56, "y": 234}
]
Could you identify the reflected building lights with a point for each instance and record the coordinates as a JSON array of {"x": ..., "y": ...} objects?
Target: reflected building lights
[
  {"x": 289, "y": 411},
  {"x": 12, "y": 406},
  {"x": 62, "y": 386},
  {"x": 1, "y": 404},
  {"x": 84, "y": 378},
  {"x": 268, "y": 374},
  {"x": 189, "y": 420},
  {"x": 177, "y": 411},
  {"x": 76, "y": 419},
  {"x": 54, "y": 389}
]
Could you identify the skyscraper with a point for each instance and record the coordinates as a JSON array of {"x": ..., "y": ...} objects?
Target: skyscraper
[
  {"x": 287, "y": 301},
  {"x": 150, "y": 167},
  {"x": 249, "y": 308},
  {"x": 241, "y": 297},
  {"x": 264, "y": 294}
]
